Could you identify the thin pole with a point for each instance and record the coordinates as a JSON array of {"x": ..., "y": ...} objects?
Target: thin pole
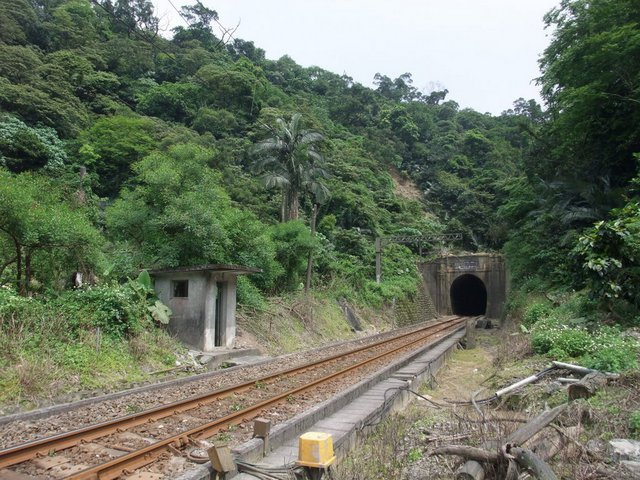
[
  {"x": 378, "y": 259},
  {"x": 314, "y": 214}
]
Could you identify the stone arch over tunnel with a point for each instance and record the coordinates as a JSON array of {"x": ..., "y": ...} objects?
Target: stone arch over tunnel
[
  {"x": 447, "y": 282},
  {"x": 468, "y": 296}
]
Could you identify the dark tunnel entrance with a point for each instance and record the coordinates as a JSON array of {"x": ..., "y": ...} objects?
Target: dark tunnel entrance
[{"x": 468, "y": 296}]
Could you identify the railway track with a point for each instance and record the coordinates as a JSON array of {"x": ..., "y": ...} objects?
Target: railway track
[{"x": 131, "y": 442}]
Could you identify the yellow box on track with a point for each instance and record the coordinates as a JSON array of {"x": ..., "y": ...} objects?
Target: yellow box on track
[{"x": 315, "y": 449}]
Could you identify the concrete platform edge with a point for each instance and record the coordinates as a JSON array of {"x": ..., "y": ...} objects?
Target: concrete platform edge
[{"x": 252, "y": 451}]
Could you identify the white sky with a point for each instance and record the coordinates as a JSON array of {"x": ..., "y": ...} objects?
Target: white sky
[{"x": 484, "y": 52}]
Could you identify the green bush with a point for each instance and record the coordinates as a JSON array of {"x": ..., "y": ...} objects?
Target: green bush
[
  {"x": 563, "y": 341},
  {"x": 535, "y": 312},
  {"x": 544, "y": 334},
  {"x": 604, "y": 349},
  {"x": 27, "y": 324},
  {"x": 118, "y": 310},
  {"x": 293, "y": 242},
  {"x": 614, "y": 352},
  {"x": 249, "y": 295}
]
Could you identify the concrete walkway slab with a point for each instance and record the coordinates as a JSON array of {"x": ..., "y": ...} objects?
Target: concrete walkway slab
[{"x": 350, "y": 422}]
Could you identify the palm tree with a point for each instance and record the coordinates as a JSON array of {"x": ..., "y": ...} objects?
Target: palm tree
[{"x": 289, "y": 160}]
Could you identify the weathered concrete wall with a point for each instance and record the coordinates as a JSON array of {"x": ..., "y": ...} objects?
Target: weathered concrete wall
[
  {"x": 188, "y": 313},
  {"x": 440, "y": 274},
  {"x": 229, "y": 307},
  {"x": 193, "y": 318},
  {"x": 416, "y": 310}
]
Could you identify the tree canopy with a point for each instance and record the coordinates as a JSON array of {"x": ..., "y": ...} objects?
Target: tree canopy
[{"x": 171, "y": 131}]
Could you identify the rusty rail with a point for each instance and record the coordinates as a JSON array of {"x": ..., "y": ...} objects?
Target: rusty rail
[{"x": 24, "y": 452}]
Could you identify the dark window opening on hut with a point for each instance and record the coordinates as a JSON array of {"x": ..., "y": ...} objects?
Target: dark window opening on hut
[{"x": 180, "y": 288}]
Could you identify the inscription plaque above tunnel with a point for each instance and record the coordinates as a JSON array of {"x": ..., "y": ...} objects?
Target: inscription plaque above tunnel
[{"x": 467, "y": 284}]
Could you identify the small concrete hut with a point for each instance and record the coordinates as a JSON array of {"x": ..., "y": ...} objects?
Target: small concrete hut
[{"x": 202, "y": 299}]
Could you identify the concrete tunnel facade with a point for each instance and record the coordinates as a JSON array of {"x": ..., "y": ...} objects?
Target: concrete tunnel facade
[{"x": 469, "y": 285}]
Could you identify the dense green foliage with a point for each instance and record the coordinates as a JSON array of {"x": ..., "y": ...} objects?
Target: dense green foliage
[
  {"x": 43, "y": 233},
  {"x": 582, "y": 162},
  {"x": 562, "y": 335},
  {"x": 175, "y": 134},
  {"x": 172, "y": 133},
  {"x": 91, "y": 338}
]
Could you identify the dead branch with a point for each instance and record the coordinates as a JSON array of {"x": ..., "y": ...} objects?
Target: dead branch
[
  {"x": 549, "y": 444},
  {"x": 512, "y": 471},
  {"x": 569, "y": 435},
  {"x": 449, "y": 438},
  {"x": 475, "y": 404},
  {"x": 532, "y": 427},
  {"x": 518, "y": 437},
  {"x": 473, "y": 453},
  {"x": 529, "y": 460}
]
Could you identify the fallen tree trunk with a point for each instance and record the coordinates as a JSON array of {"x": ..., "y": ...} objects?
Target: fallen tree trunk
[
  {"x": 529, "y": 460},
  {"x": 588, "y": 386}
]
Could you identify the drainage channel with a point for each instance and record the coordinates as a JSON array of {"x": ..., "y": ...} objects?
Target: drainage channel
[{"x": 348, "y": 417}]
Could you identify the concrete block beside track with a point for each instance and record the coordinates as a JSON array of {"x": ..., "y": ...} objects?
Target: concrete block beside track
[{"x": 348, "y": 416}]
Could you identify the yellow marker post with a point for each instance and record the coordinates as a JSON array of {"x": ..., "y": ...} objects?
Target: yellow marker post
[{"x": 315, "y": 449}]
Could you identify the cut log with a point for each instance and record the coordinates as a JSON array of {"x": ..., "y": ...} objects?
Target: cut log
[
  {"x": 473, "y": 453},
  {"x": 588, "y": 386},
  {"x": 470, "y": 471},
  {"x": 532, "y": 427},
  {"x": 524, "y": 433},
  {"x": 529, "y": 460}
]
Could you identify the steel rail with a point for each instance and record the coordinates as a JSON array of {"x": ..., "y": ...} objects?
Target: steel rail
[
  {"x": 26, "y": 451},
  {"x": 129, "y": 462}
]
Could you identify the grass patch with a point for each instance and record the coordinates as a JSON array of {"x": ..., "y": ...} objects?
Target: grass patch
[
  {"x": 83, "y": 340},
  {"x": 385, "y": 453},
  {"x": 299, "y": 321},
  {"x": 58, "y": 368}
]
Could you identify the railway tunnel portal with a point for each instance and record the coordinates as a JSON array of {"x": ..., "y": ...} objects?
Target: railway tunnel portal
[{"x": 470, "y": 285}]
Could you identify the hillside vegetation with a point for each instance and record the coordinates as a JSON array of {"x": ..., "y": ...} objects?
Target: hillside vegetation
[{"x": 122, "y": 150}]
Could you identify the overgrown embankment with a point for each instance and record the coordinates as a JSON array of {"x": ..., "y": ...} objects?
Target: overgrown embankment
[
  {"x": 401, "y": 447},
  {"x": 568, "y": 326},
  {"x": 301, "y": 321},
  {"x": 90, "y": 340},
  {"x": 104, "y": 338}
]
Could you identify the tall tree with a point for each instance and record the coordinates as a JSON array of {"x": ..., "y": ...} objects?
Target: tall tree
[
  {"x": 39, "y": 228},
  {"x": 290, "y": 161},
  {"x": 591, "y": 82}
]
